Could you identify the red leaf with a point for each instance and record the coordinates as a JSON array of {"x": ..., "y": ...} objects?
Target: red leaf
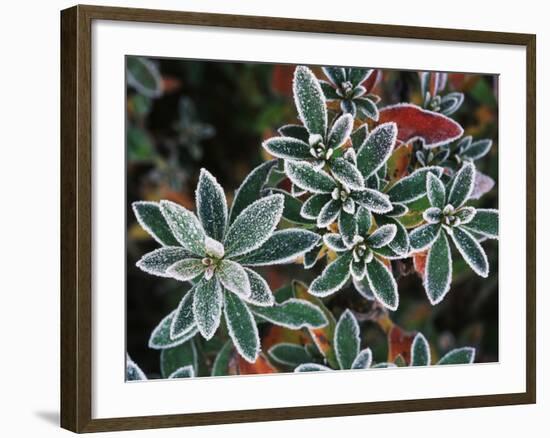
[
  {"x": 281, "y": 81},
  {"x": 399, "y": 344},
  {"x": 414, "y": 123},
  {"x": 372, "y": 80},
  {"x": 419, "y": 260},
  {"x": 261, "y": 366}
]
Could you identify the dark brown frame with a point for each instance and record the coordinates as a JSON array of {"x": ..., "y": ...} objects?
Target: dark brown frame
[{"x": 76, "y": 236}]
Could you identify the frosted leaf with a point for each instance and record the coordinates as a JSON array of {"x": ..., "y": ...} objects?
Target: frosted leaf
[
  {"x": 185, "y": 226},
  {"x": 464, "y": 355},
  {"x": 347, "y": 225},
  {"x": 283, "y": 246},
  {"x": 150, "y": 218},
  {"x": 357, "y": 269},
  {"x": 296, "y": 191},
  {"x": 384, "y": 365},
  {"x": 465, "y": 215},
  {"x": 160, "y": 337},
  {"x": 171, "y": 359},
  {"x": 364, "y": 221},
  {"x": 348, "y": 107},
  {"x": 313, "y": 205},
  {"x": 335, "y": 242},
  {"x": 362, "y": 286},
  {"x": 310, "y": 101},
  {"x": 359, "y": 136},
  {"x": 376, "y": 149},
  {"x": 186, "y": 269},
  {"x": 158, "y": 261},
  {"x": 485, "y": 222},
  {"x": 336, "y": 75},
  {"x": 183, "y": 372},
  {"x": 400, "y": 243},
  {"x": 329, "y": 91},
  {"x": 305, "y": 175},
  {"x": 358, "y": 75},
  {"x": 346, "y": 340},
  {"x": 413, "y": 186},
  {"x": 144, "y": 75},
  {"x": 207, "y": 306},
  {"x": 133, "y": 371},
  {"x": 482, "y": 184},
  {"x": 260, "y": 292},
  {"x": 340, "y": 131},
  {"x": 214, "y": 248},
  {"x": 221, "y": 363},
  {"x": 424, "y": 236},
  {"x": 241, "y": 327},
  {"x": 233, "y": 277},
  {"x": 295, "y": 131},
  {"x": 471, "y": 251},
  {"x": 435, "y": 190},
  {"x": 311, "y": 257},
  {"x": 382, "y": 236},
  {"x": 333, "y": 277},
  {"x": 346, "y": 174},
  {"x": 254, "y": 225},
  {"x": 311, "y": 367},
  {"x": 211, "y": 205},
  {"x": 451, "y": 103},
  {"x": 373, "y": 200},
  {"x": 287, "y": 148},
  {"x": 328, "y": 213},
  {"x": 432, "y": 215},
  {"x": 288, "y": 354},
  {"x": 183, "y": 321},
  {"x": 367, "y": 108},
  {"x": 292, "y": 208},
  {"x": 251, "y": 188},
  {"x": 477, "y": 149},
  {"x": 382, "y": 284},
  {"x": 439, "y": 269},
  {"x": 462, "y": 185},
  {"x": 420, "y": 351},
  {"x": 398, "y": 210},
  {"x": 363, "y": 360},
  {"x": 293, "y": 314},
  {"x": 349, "y": 206}
]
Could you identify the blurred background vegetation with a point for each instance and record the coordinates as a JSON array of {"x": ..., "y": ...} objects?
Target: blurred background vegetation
[{"x": 185, "y": 114}]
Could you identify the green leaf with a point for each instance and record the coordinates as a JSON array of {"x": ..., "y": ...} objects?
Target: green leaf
[
  {"x": 183, "y": 372},
  {"x": 358, "y": 75},
  {"x": 288, "y": 354},
  {"x": 477, "y": 149},
  {"x": 144, "y": 76},
  {"x": 139, "y": 145},
  {"x": 310, "y": 101},
  {"x": 335, "y": 242},
  {"x": 363, "y": 288},
  {"x": 471, "y": 251},
  {"x": 424, "y": 236},
  {"x": 311, "y": 367},
  {"x": 287, "y": 148},
  {"x": 347, "y": 225},
  {"x": 465, "y": 214},
  {"x": 329, "y": 91},
  {"x": 382, "y": 284},
  {"x": 400, "y": 243},
  {"x": 292, "y": 208},
  {"x": 432, "y": 215},
  {"x": 450, "y": 103},
  {"x": 311, "y": 257},
  {"x": 435, "y": 189},
  {"x": 133, "y": 371},
  {"x": 313, "y": 205},
  {"x": 462, "y": 185},
  {"x": 150, "y": 218},
  {"x": 251, "y": 188},
  {"x": 183, "y": 321},
  {"x": 185, "y": 227},
  {"x": 221, "y": 363},
  {"x": 242, "y": 327},
  {"x": 367, "y": 107},
  {"x": 412, "y": 187},
  {"x": 207, "y": 306},
  {"x": 373, "y": 200},
  {"x": 340, "y": 131},
  {"x": 295, "y": 131},
  {"x": 233, "y": 277},
  {"x": 439, "y": 269},
  {"x": 377, "y": 148},
  {"x": 382, "y": 236},
  {"x": 420, "y": 351},
  {"x": 293, "y": 314},
  {"x": 186, "y": 269},
  {"x": 211, "y": 205},
  {"x": 329, "y": 213},
  {"x": 485, "y": 222},
  {"x": 346, "y": 340},
  {"x": 254, "y": 225},
  {"x": 172, "y": 359},
  {"x": 464, "y": 355},
  {"x": 359, "y": 136},
  {"x": 346, "y": 173},
  {"x": 158, "y": 261},
  {"x": 306, "y": 176},
  {"x": 160, "y": 337},
  {"x": 260, "y": 292},
  {"x": 363, "y": 360},
  {"x": 336, "y": 75},
  {"x": 333, "y": 277},
  {"x": 364, "y": 221},
  {"x": 283, "y": 246}
]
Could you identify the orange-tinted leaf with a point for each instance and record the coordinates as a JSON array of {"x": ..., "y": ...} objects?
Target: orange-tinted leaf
[
  {"x": 419, "y": 260},
  {"x": 399, "y": 344},
  {"x": 414, "y": 122},
  {"x": 371, "y": 80},
  {"x": 261, "y": 366},
  {"x": 399, "y": 162},
  {"x": 281, "y": 81},
  {"x": 278, "y": 335}
]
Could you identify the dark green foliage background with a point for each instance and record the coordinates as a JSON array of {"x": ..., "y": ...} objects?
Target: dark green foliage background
[{"x": 244, "y": 103}]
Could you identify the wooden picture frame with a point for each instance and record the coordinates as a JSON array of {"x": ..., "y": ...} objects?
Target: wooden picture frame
[{"x": 76, "y": 217}]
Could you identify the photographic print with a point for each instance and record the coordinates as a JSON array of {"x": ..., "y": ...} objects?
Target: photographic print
[{"x": 298, "y": 218}]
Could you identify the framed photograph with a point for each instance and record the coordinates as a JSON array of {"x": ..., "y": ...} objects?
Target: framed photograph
[{"x": 268, "y": 219}]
